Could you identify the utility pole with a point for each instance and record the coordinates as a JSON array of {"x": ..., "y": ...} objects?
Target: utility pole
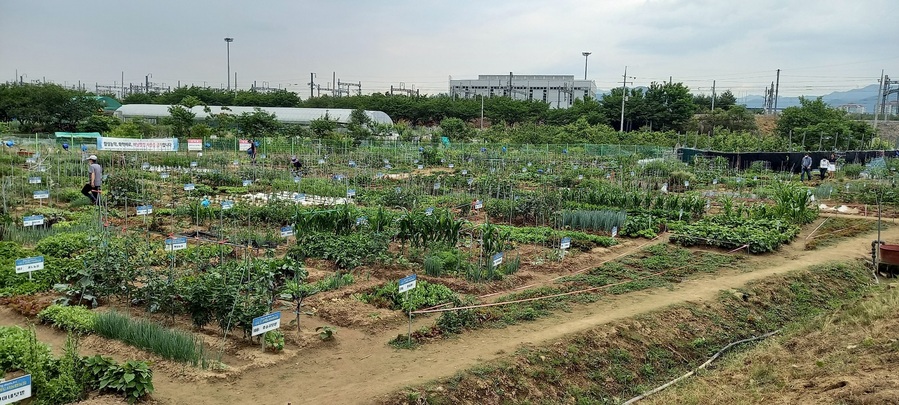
[
  {"x": 776, "y": 90},
  {"x": 623, "y": 97},
  {"x": 333, "y": 84},
  {"x": 311, "y": 85},
  {"x": 713, "y": 96},
  {"x": 510, "y": 84},
  {"x": 147, "y": 82}
]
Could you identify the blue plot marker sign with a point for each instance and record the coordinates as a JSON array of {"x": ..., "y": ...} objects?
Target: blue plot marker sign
[
  {"x": 15, "y": 390},
  {"x": 266, "y": 323},
  {"x": 407, "y": 283}
]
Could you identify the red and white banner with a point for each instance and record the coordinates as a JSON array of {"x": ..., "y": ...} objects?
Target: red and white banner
[
  {"x": 244, "y": 145},
  {"x": 194, "y": 145}
]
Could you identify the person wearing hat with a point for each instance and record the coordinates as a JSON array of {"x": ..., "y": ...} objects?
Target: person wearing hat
[
  {"x": 95, "y": 180},
  {"x": 297, "y": 166}
]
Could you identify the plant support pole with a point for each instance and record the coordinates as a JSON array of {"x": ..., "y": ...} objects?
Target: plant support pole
[{"x": 410, "y": 316}]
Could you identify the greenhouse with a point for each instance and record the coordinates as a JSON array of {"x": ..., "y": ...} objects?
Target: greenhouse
[{"x": 153, "y": 112}]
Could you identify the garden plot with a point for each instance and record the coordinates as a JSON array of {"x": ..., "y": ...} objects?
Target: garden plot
[{"x": 501, "y": 225}]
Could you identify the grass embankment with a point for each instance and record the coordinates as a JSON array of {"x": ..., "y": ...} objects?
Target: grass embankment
[
  {"x": 835, "y": 229},
  {"x": 619, "y": 360},
  {"x": 654, "y": 266},
  {"x": 844, "y": 357}
]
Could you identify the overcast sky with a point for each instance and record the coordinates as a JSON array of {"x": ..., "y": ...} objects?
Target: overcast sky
[{"x": 820, "y": 45}]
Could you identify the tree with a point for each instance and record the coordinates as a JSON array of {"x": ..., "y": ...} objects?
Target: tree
[
  {"x": 297, "y": 290},
  {"x": 455, "y": 129},
  {"x": 258, "y": 123},
  {"x": 815, "y": 125},
  {"x": 323, "y": 127},
  {"x": 610, "y": 108},
  {"x": 181, "y": 120},
  {"x": 98, "y": 123},
  {"x": 668, "y": 106},
  {"x": 358, "y": 127}
]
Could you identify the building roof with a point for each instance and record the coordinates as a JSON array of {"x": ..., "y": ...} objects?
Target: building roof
[{"x": 282, "y": 114}]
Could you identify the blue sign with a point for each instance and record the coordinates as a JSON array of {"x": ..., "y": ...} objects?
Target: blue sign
[
  {"x": 297, "y": 179},
  {"x": 470, "y": 181},
  {"x": 478, "y": 204},
  {"x": 451, "y": 165},
  {"x": 498, "y": 259},
  {"x": 301, "y": 197},
  {"x": 465, "y": 172},
  {"x": 286, "y": 231},
  {"x": 189, "y": 187},
  {"x": 351, "y": 193},
  {"x": 227, "y": 205},
  {"x": 566, "y": 243},
  {"x": 34, "y": 180},
  {"x": 352, "y": 163},
  {"x": 407, "y": 283},
  {"x": 193, "y": 164},
  {"x": 41, "y": 195},
  {"x": 266, "y": 323},
  {"x": 144, "y": 209},
  {"x": 429, "y": 211},
  {"x": 163, "y": 176},
  {"x": 614, "y": 231},
  {"x": 175, "y": 244},
  {"x": 246, "y": 183},
  {"x": 15, "y": 390},
  {"x": 420, "y": 167},
  {"x": 361, "y": 221},
  {"x": 29, "y": 264},
  {"x": 33, "y": 220},
  {"x": 145, "y": 166},
  {"x": 436, "y": 186}
]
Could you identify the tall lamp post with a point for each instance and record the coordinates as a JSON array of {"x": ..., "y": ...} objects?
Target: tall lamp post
[
  {"x": 586, "y": 54},
  {"x": 228, "y": 41}
]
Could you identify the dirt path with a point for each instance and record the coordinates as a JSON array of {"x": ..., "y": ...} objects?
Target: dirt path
[{"x": 358, "y": 367}]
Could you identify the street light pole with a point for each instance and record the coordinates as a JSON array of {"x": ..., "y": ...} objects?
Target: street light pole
[
  {"x": 228, "y": 41},
  {"x": 586, "y": 54}
]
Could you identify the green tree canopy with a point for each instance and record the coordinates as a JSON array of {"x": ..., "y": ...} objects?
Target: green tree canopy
[{"x": 814, "y": 125}]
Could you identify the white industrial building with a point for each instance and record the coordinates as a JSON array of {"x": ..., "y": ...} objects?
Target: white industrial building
[
  {"x": 154, "y": 112},
  {"x": 559, "y": 91}
]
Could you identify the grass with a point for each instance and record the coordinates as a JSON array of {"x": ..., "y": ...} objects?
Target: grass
[
  {"x": 614, "y": 362},
  {"x": 820, "y": 353},
  {"x": 837, "y": 228},
  {"x": 145, "y": 334}
]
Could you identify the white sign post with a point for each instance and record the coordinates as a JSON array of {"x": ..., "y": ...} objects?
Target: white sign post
[
  {"x": 405, "y": 285},
  {"x": 144, "y": 209},
  {"x": 15, "y": 390},
  {"x": 265, "y": 323},
  {"x": 29, "y": 264},
  {"x": 174, "y": 244},
  {"x": 566, "y": 243},
  {"x": 497, "y": 259},
  {"x": 33, "y": 220}
]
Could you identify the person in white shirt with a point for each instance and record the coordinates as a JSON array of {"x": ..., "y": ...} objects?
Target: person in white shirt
[{"x": 822, "y": 167}]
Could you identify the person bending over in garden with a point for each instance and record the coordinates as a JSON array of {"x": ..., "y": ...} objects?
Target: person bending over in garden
[
  {"x": 252, "y": 152},
  {"x": 822, "y": 168},
  {"x": 806, "y": 168},
  {"x": 95, "y": 180},
  {"x": 296, "y": 166}
]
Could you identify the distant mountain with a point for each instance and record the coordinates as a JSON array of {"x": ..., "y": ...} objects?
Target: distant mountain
[{"x": 866, "y": 96}]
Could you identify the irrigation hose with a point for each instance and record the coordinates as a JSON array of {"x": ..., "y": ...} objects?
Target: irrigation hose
[{"x": 704, "y": 365}]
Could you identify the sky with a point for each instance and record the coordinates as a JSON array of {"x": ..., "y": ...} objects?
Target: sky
[{"x": 819, "y": 45}]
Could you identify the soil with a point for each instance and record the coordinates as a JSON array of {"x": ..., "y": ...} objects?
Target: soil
[{"x": 359, "y": 366}]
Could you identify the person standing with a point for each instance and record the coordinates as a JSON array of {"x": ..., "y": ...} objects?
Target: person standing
[
  {"x": 95, "y": 180},
  {"x": 822, "y": 167},
  {"x": 806, "y": 167},
  {"x": 252, "y": 152},
  {"x": 832, "y": 169}
]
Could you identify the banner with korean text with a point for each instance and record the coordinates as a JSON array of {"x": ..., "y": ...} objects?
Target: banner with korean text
[{"x": 138, "y": 145}]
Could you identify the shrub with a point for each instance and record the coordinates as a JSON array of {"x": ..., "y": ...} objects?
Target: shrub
[
  {"x": 67, "y": 245},
  {"x": 425, "y": 294},
  {"x": 274, "y": 341},
  {"x": 73, "y": 319},
  {"x": 18, "y": 349},
  {"x": 853, "y": 170},
  {"x": 134, "y": 379}
]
